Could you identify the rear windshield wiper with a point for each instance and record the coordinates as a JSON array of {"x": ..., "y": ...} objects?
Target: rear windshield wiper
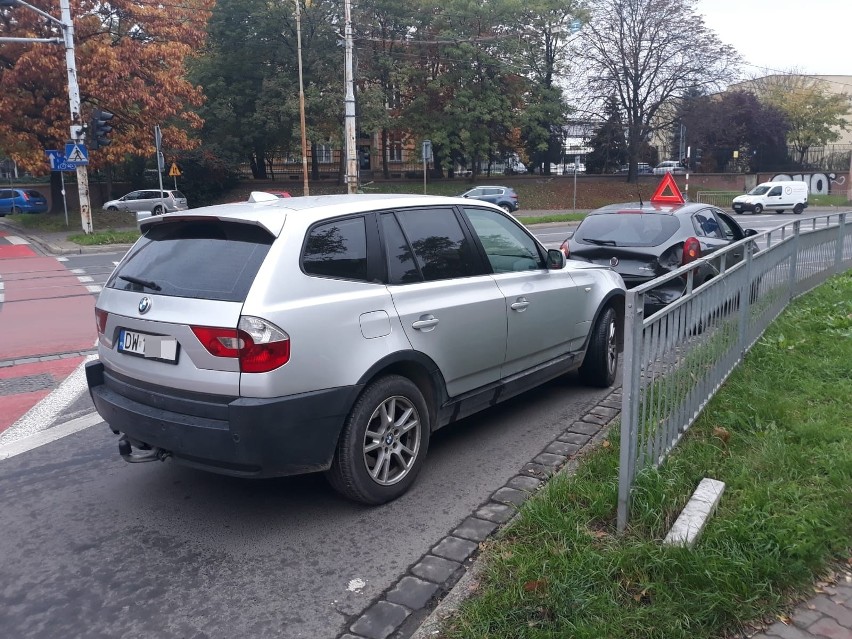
[
  {"x": 600, "y": 242},
  {"x": 136, "y": 280}
]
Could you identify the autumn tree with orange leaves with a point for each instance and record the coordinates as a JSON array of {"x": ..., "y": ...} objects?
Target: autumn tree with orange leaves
[{"x": 130, "y": 61}]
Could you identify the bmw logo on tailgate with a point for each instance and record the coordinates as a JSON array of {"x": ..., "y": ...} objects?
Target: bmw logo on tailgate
[{"x": 144, "y": 305}]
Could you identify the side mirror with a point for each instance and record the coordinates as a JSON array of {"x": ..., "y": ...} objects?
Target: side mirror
[
  {"x": 555, "y": 259},
  {"x": 750, "y": 233}
]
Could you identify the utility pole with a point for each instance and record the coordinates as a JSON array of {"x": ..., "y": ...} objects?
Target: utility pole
[
  {"x": 305, "y": 187},
  {"x": 349, "y": 104},
  {"x": 77, "y": 134}
]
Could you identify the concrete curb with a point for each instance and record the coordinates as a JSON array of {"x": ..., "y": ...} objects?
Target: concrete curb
[{"x": 431, "y": 589}]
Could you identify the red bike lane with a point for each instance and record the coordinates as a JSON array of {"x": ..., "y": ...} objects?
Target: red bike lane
[{"x": 46, "y": 326}]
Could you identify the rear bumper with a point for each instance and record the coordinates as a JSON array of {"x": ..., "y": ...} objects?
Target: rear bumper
[{"x": 246, "y": 437}]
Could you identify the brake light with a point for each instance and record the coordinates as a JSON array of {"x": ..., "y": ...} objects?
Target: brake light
[
  {"x": 691, "y": 251},
  {"x": 259, "y": 345},
  {"x": 564, "y": 248},
  {"x": 25, "y": 196},
  {"x": 101, "y": 321}
]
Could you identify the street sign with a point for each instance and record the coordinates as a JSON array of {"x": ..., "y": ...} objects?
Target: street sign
[
  {"x": 427, "y": 150},
  {"x": 174, "y": 171},
  {"x": 58, "y": 162},
  {"x": 76, "y": 154}
]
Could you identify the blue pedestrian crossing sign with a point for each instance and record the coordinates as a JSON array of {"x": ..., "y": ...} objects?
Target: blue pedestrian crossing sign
[{"x": 76, "y": 154}]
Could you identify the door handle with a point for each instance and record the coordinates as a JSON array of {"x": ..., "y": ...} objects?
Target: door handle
[
  {"x": 520, "y": 305},
  {"x": 426, "y": 323}
]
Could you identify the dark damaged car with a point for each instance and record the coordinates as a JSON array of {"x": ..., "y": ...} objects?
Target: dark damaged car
[{"x": 642, "y": 241}]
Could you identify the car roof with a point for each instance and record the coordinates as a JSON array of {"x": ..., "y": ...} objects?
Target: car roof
[
  {"x": 687, "y": 208},
  {"x": 268, "y": 212}
]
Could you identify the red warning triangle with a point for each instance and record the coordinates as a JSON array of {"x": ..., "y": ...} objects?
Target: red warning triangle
[{"x": 674, "y": 196}]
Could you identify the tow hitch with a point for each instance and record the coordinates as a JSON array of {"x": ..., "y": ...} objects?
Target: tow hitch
[{"x": 144, "y": 453}]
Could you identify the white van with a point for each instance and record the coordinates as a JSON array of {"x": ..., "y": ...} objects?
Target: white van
[{"x": 774, "y": 196}]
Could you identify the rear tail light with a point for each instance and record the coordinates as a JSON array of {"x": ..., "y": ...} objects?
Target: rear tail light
[
  {"x": 564, "y": 248},
  {"x": 101, "y": 322},
  {"x": 25, "y": 196},
  {"x": 691, "y": 251},
  {"x": 260, "y": 346}
]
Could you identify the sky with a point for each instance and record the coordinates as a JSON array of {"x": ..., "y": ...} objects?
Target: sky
[{"x": 810, "y": 36}]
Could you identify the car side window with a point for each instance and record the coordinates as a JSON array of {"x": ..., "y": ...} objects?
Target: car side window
[
  {"x": 775, "y": 192},
  {"x": 507, "y": 246},
  {"x": 402, "y": 269},
  {"x": 337, "y": 249},
  {"x": 133, "y": 195},
  {"x": 441, "y": 249},
  {"x": 705, "y": 225},
  {"x": 730, "y": 230},
  {"x": 6, "y": 194}
]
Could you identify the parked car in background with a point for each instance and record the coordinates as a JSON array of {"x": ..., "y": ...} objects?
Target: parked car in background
[
  {"x": 791, "y": 195},
  {"x": 669, "y": 166},
  {"x": 503, "y": 196},
  {"x": 643, "y": 241},
  {"x": 15, "y": 201},
  {"x": 642, "y": 168},
  {"x": 336, "y": 333},
  {"x": 147, "y": 202}
]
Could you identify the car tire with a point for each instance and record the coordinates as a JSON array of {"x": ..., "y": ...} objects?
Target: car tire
[
  {"x": 16, "y": 210},
  {"x": 506, "y": 207},
  {"x": 112, "y": 208},
  {"x": 158, "y": 210},
  {"x": 601, "y": 360},
  {"x": 758, "y": 209},
  {"x": 798, "y": 208},
  {"x": 359, "y": 471}
]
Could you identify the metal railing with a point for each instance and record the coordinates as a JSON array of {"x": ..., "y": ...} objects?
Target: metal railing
[
  {"x": 676, "y": 359},
  {"x": 722, "y": 199}
]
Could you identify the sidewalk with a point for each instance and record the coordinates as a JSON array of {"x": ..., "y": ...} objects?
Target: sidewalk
[{"x": 56, "y": 242}]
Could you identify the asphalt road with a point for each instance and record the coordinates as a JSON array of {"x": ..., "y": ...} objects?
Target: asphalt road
[{"x": 95, "y": 547}]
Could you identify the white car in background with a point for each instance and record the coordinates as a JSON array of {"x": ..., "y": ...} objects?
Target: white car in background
[{"x": 669, "y": 166}]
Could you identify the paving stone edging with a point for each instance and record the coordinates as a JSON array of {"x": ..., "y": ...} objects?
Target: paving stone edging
[{"x": 415, "y": 605}]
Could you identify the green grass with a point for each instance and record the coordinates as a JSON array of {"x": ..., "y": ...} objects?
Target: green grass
[
  {"x": 816, "y": 199},
  {"x": 561, "y": 571},
  {"x": 105, "y": 237},
  {"x": 543, "y": 219},
  {"x": 44, "y": 222}
]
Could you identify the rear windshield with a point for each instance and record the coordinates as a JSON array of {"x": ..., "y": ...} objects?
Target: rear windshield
[
  {"x": 201, "y": 259},
  {"x": 626, "y": 229},
  {"x": 33, "y": 193},
  {"x": 178, "y": 195}
]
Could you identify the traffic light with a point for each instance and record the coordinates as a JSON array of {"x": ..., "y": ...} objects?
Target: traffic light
[{"x": 99, "y": 129}]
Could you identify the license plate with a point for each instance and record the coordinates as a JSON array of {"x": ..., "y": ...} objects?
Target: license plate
[
  {"x": 737, "y": 206},
  {"x": 158, "y": 347}
]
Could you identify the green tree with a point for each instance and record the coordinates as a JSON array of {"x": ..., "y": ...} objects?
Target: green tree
[
  {"x": 815, "y": 115},
  {"x": 609, "y": 147}
]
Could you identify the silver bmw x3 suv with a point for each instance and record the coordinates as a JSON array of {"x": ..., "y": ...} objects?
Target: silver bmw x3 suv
[{"x": 336, "y": 333}]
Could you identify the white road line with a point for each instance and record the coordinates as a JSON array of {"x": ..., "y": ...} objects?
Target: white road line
[
  {"x": 14, "y": 239},
  {"x": 77, "y": 271},
  {"x": 43, "y": 414},
  {"x": 94, "y": 288},
  {"x": 61, "y": 259},
  {"x": 85, "y": 278},
  {"x": 50, "y": 435}
]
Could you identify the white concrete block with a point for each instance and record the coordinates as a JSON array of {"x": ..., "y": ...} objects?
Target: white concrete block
[{"x": 693, "y": 518}]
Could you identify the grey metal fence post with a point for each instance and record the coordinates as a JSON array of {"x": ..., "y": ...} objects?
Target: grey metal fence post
[
  {"x": 841, "y": 233},
  {"x": 794, "y": 259},
  {"x": 630, "y": 386},
  {"x": 745, "y": 303}
]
